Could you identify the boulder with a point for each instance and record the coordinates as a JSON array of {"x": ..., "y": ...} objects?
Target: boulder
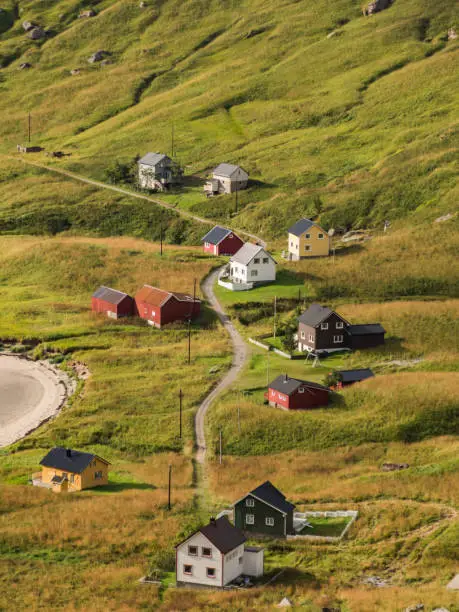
[
  {"x": 105, "y": 62},
  {"x": 142, "y": 4},
  {"x": 25, "y": 66},
  {"x": 452, "y": 34},
  {"x": 28, "y": 25},
  {"x": 446, "y": 217},
  {"x": 440, "y": 610},
  {"x": 75, "y": 71},
  {"x": 393, "y": 467},
  {"x": 415, "y": 608},
  {"x": 88, "y": 13},
  {"x": 36, "y": 33},
  {"x": 377, "y": 6},
  {"x": 98, "y": 56}
]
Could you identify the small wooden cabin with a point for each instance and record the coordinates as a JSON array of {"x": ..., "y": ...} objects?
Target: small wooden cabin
[
  {"x": 221, "y": 241},
  {"x": 64, "y": 469},
  {"x": 294, "y": 394},
  {"x": 112, "y": 303},
  {"x": 159, "y": 307}
]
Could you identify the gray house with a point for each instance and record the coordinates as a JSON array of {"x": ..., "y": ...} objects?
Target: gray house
[
  {"x": 226, "y": 178},
  {"x": 157, "y": 171}
]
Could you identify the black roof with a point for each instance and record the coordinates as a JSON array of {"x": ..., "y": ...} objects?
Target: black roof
[
  {"x": 315, "y": 314},
  {"x": 348, "y": 376},
  {"x": 223, "y": 534},
  {"x": 216, "y": 235},
  {"x": 268, "y": 493},
  {"x": 287, "y": 385},
  {"x": 367, "y": 329},
  {"x": 300, "y": 226},
  {"x": 112, "y": 296},
  {"x": 68, "y": 460}
]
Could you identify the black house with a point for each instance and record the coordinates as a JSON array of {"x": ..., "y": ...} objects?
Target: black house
[
  {"x": 322, "y": 329},
  {"x": 264, "y": 511}
]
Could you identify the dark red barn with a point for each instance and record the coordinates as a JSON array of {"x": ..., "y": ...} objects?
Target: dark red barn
[
  {"x": 293, "y": 394},
  {"x": 221, "y": 241},
  {"x": 160, "y": 307},
  {"x": 113, "y": 303}
]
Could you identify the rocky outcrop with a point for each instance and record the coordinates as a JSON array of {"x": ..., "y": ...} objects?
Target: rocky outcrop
[
  {"x": 85, "y": 14},
  {"x": 25, "y": 66},
  {"x": 394, "y": 467},
  {"x": 452, "y": 34},
  {"x": 377, "y": 6},
  {"x": 75, "y": 71},
  {"x": 416, "y": 608},
  {"x": 98, "y": 56},
  {"x": 28, "y": 25},
  {"x": 36, "y": 33}
]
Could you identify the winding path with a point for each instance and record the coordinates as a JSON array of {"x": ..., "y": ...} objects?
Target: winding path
[{"x": 240, "y": 353}]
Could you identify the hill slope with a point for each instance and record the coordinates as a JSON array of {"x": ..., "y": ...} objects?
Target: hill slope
[{"x": 333, "y": 113}]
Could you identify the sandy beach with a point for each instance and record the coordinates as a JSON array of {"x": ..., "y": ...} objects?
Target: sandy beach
[{"x": 30, "y": 393}]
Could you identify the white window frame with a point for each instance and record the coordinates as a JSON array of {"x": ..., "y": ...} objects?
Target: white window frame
[
  {"x": 250, "y": 519},
  {"x": 311, "y": 338},
  {"x": 301, "y": 390},
  {"x": 303, "y": 335},
  {"x": 324, "y": 326},
  {"x": 338, "y": 339},
  {"x": 191, "y": 554},
  {"x": 203, "y": 548},
  {"x": 339, "y": 325},
  {"x": 307, "y": 247},
  {"x": 250, "y": 502},
  {"x": 269, "y": 521}
]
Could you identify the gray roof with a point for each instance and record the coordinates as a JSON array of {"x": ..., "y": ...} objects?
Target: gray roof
[
  {"x": 223, "y": 534},
  {"x": 300, "y": 226},
  {"x": 68, "y": 460},
  {"x": 315, "y": 314},
  {"x": 216, "y": 235},
  {"x": 246, "y": 253},
  {"x": 287, "y": 385},
  {"x": 151, "y": 159},
  {"x": 367, "y": 329},
  {"x": 226, "y": 170},
  {"x": 268, "y": 493},
  {"x": 348, "y": 376},
  {"x": 112, "y": 296}
]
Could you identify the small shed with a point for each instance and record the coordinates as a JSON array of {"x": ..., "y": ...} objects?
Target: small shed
[
  {"x": 253, "y": 561},
  {"x": 295, "y": 394},
  {"x": 221, "y": 241},
  {"x": 367, "y": 335},
  {"x": 113, "y": 303},
  {"x": 349, "y": 377},
  {"x": 159, "y": 307},
  {"x": 227, "y": 178}
]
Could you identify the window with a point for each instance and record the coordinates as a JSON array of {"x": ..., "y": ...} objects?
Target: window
[
  {"x": 303, "y": 335},
  {"x": 311, "y": 338},
  {"x": 98, "y": 475},
  {"x": 210, "y": 572},
  {"x": 241, "y": 560},
  {"x": 320, "y": 236},
  {"x": 254, "y": 273},
  {"x": 265, "y": 259},
  {"x": 324, "y": 326},
  {"x": 256, "y": 260},
  {"x": 153, "y": 313},
  {"x": 206, "y": 245},
  {"x": 291, "y": 244},
  {"x": 307, "y": 247},
  {"x": 193, "y": 551},
  {"x": 188, "y": 569},
  {"x": 72, "y": 477},
  {"x": 337, "y": 339},
  {"x": 269, "y": 521},
  {"x": 339, "y": 325},
  {"x": 301, "y": 390},
  {"x": 206, "y": 552},
  {"x": 249, "y": 502},
  {"x": 307, "y": 236},
  {"x": 250, "y": 519}
]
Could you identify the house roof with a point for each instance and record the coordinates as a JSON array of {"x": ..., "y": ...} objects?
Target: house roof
[
  {"x": 223, "y": 534},
  {"x": 216, "y": 235},
  {"x": 113, "y": 296},
  {"x": 158, "y": 297},
  {"x": 226, "y": 170},
  {"x": 348, "y": 376},
  {"x": 151, "y": 159},
  {"x": 69, "y": 460},
  {"x": 300, "y": 226},
  {"x": 315, "y": 314},
  {"x": 287, "y": 385},
  {"x": 268, "y": 493},
  {"x": 367, "y": 329},
  {"x": 247, "y": 252}
]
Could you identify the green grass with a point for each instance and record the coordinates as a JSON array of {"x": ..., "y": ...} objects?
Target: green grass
[{"x": 325, "y": 527}]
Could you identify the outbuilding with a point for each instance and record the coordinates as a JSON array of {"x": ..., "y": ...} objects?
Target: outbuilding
[
  {"x": 344, "y": 378},
  {"x": 221, "y": 241},
  {"x": 112, "y": 303},
  {"x": 159, "y": 307},
  {"x": 226, "y": 178},
  {"x": 294, "y": 394}
]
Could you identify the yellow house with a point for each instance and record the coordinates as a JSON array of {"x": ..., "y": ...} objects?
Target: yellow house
[
  {"x": 64, "y": 469},
  {"x": 307, "y": 239}
]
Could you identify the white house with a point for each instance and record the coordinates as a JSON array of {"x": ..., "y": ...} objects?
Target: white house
[
  {"x": 252, "y": 264},
  {"x": 226, "y": 178},
  {"x": 215, "y": 555},
  {"x": 155, "y": 171}
]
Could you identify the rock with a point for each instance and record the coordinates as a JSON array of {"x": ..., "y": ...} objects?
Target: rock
[
  {"x": 440, "y": 610},
  {"x": 415, "y": 608},
  {"x": 375, "y": 581},
  {"x": 97, "y": 56},
  {"x": 355, "y": 235},
  {"x": 28, "y": 25},
  {"x": 214, "y": 369},
  {"x": 36, "y": 33},
  {"x": 444, "y": 218},
  {"x": 394, "y": 467},
  {"x": 454, "y": 584},
  {"x": 452, "y": 34},
  {"x": 285, "y": 603},
  {"x": 88, "y": 13},
  {"x": 142, "y": 4},
  {"x": 105, "y": 62},
  {"x": 376, "y": 6},
  {"x": 25, "y": 66},
  {"x": 75, "y": 71}
]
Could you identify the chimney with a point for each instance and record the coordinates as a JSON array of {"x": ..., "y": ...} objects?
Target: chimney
[
  {"x": 68, "y": 452},
  {"x": 286, "y": 378},
  {"x": 213, "y": 521}
]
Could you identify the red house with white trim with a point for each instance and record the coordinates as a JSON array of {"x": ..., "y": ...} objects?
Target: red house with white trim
[
  {"x": 221, "y": 241},
  {"x": 159, "y": 307},
  {"x": 112, "y": 303},
  {"x": 293, "y": 394}
]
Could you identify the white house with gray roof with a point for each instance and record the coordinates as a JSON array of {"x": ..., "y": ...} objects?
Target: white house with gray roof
[
  {"x": 249, "y": 267},
  {"x": 156, "y": 171},
  {"x": 226, "y": 178}
]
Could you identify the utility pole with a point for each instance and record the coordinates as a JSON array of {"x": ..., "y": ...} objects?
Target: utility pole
[
  {"x": 194, "y": 297},
  {"x": 189, "y": 342},
  {"x": 180, "y": 417},
  {"x": 161, "y": 235},
  {"x": 299, "y": 296},
  {"x": 221, "y": 446},
  {"x": 169, "y": 489},
  {"x": 267, "y": 368},
  {"x": 239, "y": 418},
  {"x": 237, "y": 191},
  {"x": 275, "y": 313},
  {"x": 172, "y": 141},
  {"x": 30, "y": 126}
]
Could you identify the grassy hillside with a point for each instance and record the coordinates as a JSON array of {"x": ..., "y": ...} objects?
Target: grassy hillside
[{"x": 349, "y": 117}]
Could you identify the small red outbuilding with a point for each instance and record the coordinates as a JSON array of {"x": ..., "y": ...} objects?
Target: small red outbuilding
[
  {"x": 293, "y": 394},
  {"x": 160, "y": 307},
  {"x": 113, "y": 303},
  {"x": 221, "y": 241}
]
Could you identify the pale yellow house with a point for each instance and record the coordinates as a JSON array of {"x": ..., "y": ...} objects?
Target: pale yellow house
[
  {"x": 307, "y": 239},
  {"x": 64, "y": 469}
]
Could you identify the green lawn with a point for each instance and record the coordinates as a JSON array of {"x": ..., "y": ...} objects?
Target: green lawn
[{"x": 325, "y": 527}]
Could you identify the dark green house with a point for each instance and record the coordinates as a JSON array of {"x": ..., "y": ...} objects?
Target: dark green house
[{"x": 264, "y": 511}]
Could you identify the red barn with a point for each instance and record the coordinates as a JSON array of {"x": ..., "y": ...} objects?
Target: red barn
[
  {"x": 113, "y": 303},
  {"x": 221, "y": 241},
  {"x": 160, "y": 307},
  {"x": 292, "y": 394}
]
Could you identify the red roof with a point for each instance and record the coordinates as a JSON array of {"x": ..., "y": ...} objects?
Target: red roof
[{"x": 158, "y": 297}]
